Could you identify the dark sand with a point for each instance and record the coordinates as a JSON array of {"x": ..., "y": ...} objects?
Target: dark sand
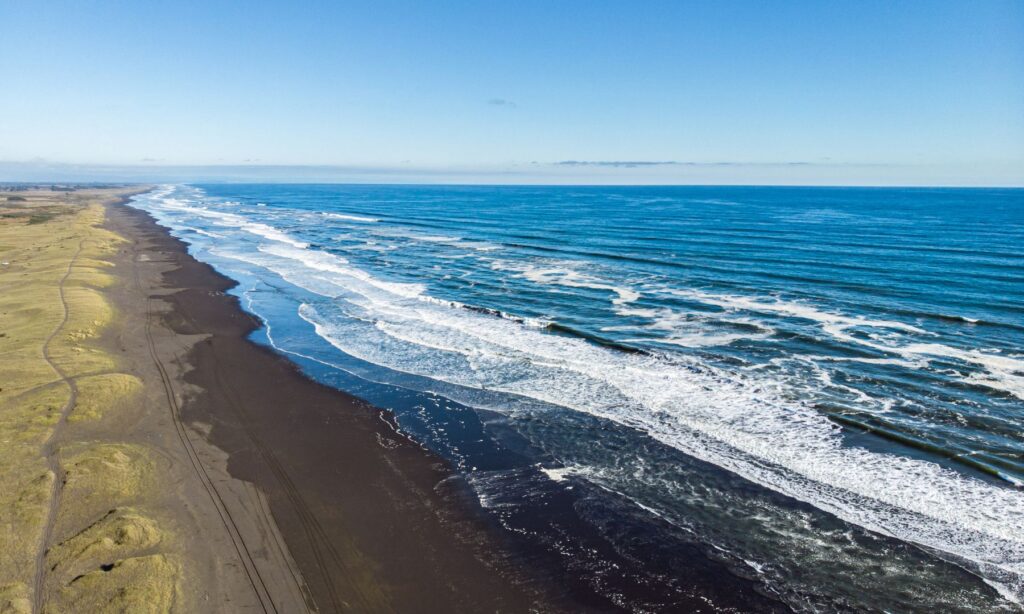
[
  {"x": 321, "y": 504},
  {"x": 366, "y": 515}
]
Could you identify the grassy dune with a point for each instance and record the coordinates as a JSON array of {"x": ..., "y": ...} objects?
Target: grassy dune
[{"x": 77, "y": 528}]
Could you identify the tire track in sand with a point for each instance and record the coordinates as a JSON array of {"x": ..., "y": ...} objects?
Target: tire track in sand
[{"x": 244, "y": 555}]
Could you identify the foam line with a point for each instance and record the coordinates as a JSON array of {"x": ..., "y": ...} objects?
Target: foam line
[{"x": 735, "y": 420}]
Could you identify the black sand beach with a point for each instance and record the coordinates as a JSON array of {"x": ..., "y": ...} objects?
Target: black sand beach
[
  {"x": 373, "y": 521},
  {"x": 362, "y": 510}
]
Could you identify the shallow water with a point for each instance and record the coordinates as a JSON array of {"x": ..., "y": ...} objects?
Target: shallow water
[{"x": 821, "y": 390}]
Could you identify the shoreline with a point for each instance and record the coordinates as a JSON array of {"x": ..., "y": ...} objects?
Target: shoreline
[
  {"x": 369, "y": 517},
  {"x": 571, "y": 549},
  {"x": 165, "y": 452}
]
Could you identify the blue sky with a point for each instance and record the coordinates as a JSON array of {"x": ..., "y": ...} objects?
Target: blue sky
[{"x": 878, "y": 93}]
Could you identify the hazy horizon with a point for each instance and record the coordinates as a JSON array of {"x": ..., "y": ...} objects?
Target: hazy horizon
[
  {"x": 744, "y": 93},
  {"x": 545, "y": 175}
]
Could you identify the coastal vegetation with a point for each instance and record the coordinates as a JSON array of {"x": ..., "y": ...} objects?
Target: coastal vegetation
[{"x": 76, "y": 517}]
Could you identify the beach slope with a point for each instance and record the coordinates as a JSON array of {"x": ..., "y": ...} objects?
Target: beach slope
[
  {"x": 154, "y": 459},
  {"x": 101, "y": 505}
]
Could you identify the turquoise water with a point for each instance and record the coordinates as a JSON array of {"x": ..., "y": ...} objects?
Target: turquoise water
[{"x": 822, "y": 390}]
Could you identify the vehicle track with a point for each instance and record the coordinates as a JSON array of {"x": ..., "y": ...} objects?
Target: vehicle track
[
  {"x": 10, "y": 402},
  {"x": 50, "y": 446},
  {"x": 244, "y": 555},
  {"x": 323, "y": 548},
  {"x": 324, "y": 551}
]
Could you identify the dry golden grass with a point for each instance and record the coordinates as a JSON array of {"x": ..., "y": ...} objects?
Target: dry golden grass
[
  {"x": 101, "y": 395},
  {"x": 34, "y": 258},
  {"x": 105, "y": 551},
  {"x": 117, "y": 535},
  {"x": 140, "y": 584}
]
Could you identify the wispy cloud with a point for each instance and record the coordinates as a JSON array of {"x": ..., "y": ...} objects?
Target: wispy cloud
[
  {"x": 502, "y": 102},
  {"x": 617, "y": 163},
  {"x": 642, "y": 163}
]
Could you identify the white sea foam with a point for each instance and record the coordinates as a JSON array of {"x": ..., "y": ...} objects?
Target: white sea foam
[
  {"x": 352, "y": 218},
  {"x": 719, "y": 417},
  {"x": 686, "y": 329},
  {"x": 1003, "y": 373},
  {"x": 200, "y": 231},
  {"x": 434, "y": 238},
  {"x": 898, "y": 362},
  {"x": 330, "y": 263},
  {"x": 444, "y": 240},
  {"x": 233, "y": 220},
  {"x": 568, "y": 277},
  {"x": 560, "y": 474},
  {"x": 698, "y": 340},
  {"x": 833, "y": 321},
  {"x": 263, "y": 230},
  {"x": 734, "y": 420},
  {"x": 390, "y": 232}
]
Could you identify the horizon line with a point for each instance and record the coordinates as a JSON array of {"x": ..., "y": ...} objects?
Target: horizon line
[
  {"x": 75, "y": 183},
  {"x": 624, "y": 173}
]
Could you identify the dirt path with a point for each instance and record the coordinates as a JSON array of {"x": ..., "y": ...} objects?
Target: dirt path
[{"x": 50, "y": 447}]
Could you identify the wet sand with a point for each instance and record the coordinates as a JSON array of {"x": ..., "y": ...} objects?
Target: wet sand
[
  {"x": 319, "y": 502},
  {"x": 159, "y": 460}
]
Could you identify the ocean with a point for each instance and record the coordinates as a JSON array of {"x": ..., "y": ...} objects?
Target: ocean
[{"x": 815, "y": 392}]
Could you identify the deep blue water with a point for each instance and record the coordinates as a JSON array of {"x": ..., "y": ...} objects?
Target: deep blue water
[{"x": 822, "y": 390}]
